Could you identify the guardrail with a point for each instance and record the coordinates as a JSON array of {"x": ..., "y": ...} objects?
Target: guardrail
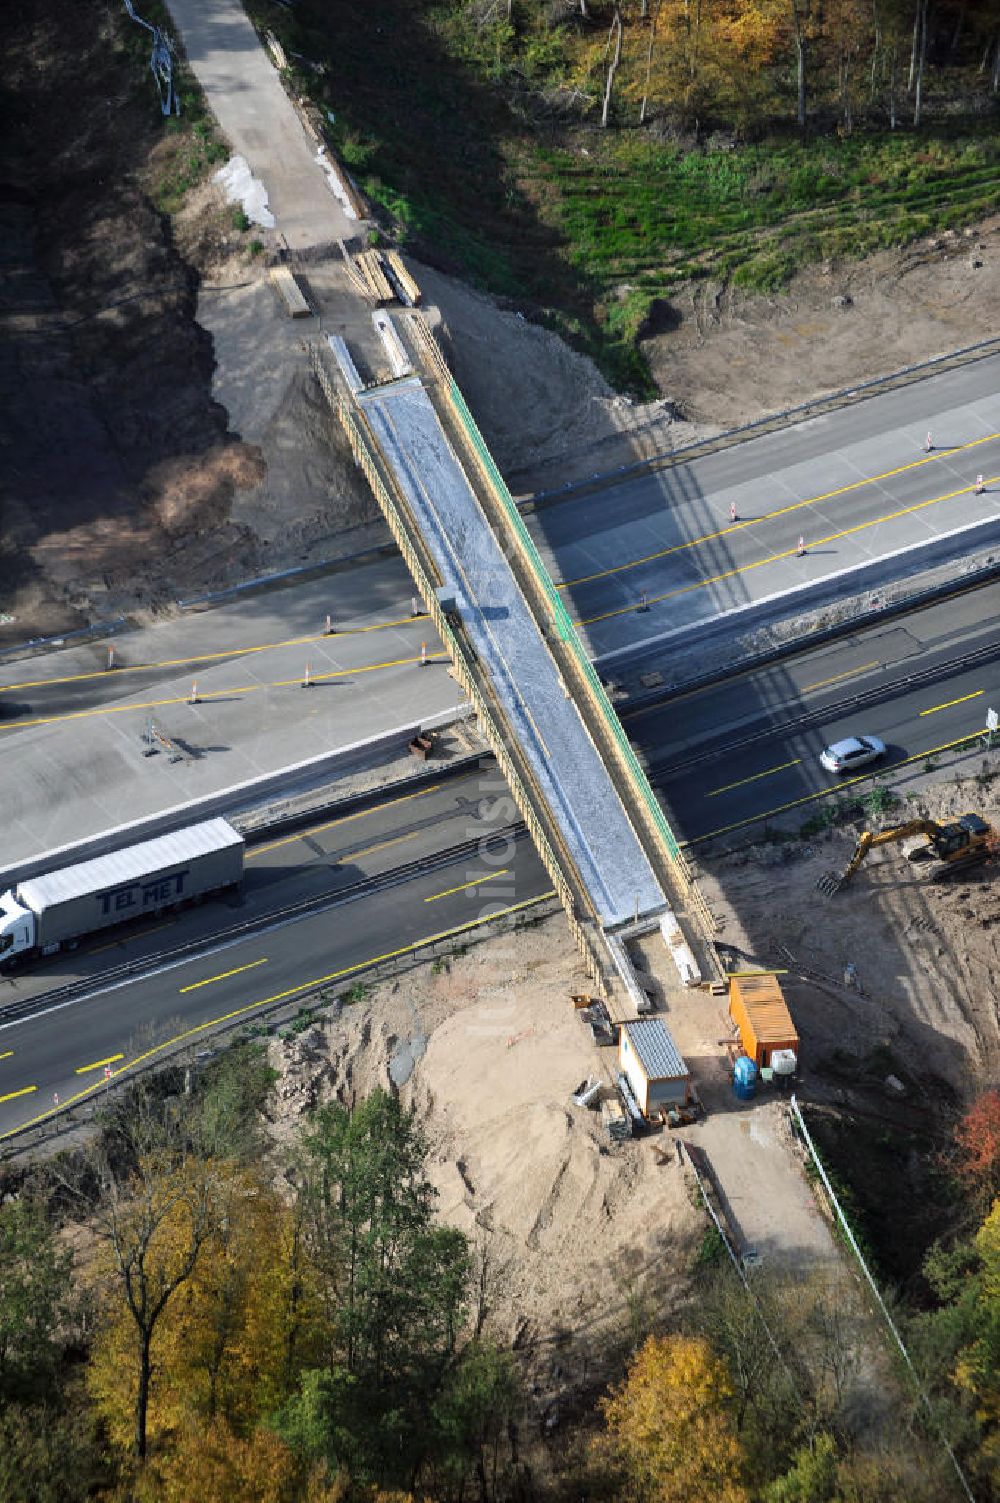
[
  {"x": 314, "y": 1000},
  {"x": 134, "y": 970},
  {"x": 699, "y": 447},
  {"x": 878, "y": 604}
]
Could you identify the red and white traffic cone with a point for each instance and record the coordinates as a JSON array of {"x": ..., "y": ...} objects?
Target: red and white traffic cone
[
  {"x": 643, "y": 602},
  {"x": 111, "y": 658},
  {"x": 928, "y": 442},
  {"x": 193, "y": 698},
  {"x": 423, "y": 654},
  {"x": 329, "y": 626},
  {"x": 800, "y": 551},
  {"x": 732, "y": 511},
  {"x": 980, "y": 485},
  {"x": 307, "y": 682}
]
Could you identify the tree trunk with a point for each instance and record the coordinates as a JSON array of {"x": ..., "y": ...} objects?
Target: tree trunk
[
  {"x": 996, "y": 66},
  {"x": 584, "y": 11},
  {"x": 142, "y": 1397},
  {"x": 893, "y": 63},
  {"x": 918, "y": 99},
  {"x": 915, "y": 48},
  {"x": 800, "y": 63},
  {"x": 616, "y": 28},
  {"x": 649, "y": 62},
  {"x": 876, "y": 48}
]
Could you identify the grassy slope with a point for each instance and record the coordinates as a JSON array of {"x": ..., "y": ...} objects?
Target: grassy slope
[{"x": 587, "y": 227}]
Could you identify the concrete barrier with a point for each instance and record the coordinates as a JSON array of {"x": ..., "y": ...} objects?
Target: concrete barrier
[{"x": 358, "y": 757}]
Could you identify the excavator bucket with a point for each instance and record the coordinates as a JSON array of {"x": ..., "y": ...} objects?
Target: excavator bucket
[{"x": 830, "y": 883}]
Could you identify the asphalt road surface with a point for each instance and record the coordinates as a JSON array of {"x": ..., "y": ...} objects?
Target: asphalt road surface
[
  {"x": 63, "y": 1051},
  {"x": 736, "y": 753}
]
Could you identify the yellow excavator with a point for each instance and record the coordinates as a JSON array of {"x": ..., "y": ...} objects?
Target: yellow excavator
[{"x": 953, "y": 847}]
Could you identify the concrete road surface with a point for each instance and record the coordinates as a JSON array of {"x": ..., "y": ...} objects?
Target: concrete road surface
[
  {"x": 248, "y": 100},
  {"x": 856, "y": 486}
]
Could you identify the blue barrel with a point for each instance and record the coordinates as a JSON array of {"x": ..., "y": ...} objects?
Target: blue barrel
[{"x": 745, "y": 1078}]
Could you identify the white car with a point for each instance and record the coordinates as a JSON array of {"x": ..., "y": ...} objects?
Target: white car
[{"x": 855, "y": 752}]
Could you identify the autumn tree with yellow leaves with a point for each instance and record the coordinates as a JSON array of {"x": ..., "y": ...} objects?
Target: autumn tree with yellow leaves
[{"x": 669, "y": 1428}]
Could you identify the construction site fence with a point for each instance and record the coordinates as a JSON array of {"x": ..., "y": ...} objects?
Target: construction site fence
[
  {"x": 402, "y": 531},
  {"x": 849, "y": 1237}
]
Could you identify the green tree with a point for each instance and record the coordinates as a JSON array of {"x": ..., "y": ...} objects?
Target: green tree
[
  {"x": 232, "y": 1094},
  {"x": 395, "y": 1287},
  {"x": 34, "y": 1298},
  {"x": 474, "y": 1421},
  {"x": 48, "y": 1455}
]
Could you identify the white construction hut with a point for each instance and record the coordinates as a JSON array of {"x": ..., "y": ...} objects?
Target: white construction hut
[{"x": 652, "y": 1063}]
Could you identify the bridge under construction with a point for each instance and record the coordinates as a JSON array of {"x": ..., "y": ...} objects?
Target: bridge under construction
[{"x": 595, "y": 820}]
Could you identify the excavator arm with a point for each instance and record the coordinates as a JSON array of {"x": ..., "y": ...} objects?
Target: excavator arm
[
  {"x": 883, "y": 837},
  {"x": 869, "y": 838}
]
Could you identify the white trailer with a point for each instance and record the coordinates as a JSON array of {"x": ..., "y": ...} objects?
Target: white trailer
[{"x": 43, "y": 914}]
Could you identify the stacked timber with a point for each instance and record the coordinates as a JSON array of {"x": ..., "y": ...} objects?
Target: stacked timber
[
  {"x": 369, "y": 263},
  {"x": 409, "y": 292}
]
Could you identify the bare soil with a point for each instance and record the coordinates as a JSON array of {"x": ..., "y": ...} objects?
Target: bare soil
[
  {"x": 727, "y": 357},
  {"x": 162, "y": 432},
  {"x": 488, "y": 1049},
  {"x": 894, "y": 1054}
]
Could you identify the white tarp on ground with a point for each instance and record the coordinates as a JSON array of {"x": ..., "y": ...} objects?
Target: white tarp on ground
[
  {"x": 240, "y": 186},
  {"x": 336, "y": 182}
]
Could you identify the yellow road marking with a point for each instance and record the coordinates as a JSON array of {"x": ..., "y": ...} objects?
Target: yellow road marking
[
  {"x": 948, "y": 703},
  {"x": 13, "y": 1095},
  {"x": 781, "y": 511},
  {"x": 833, "y": 537},
  {"x": 183, "y": 699},
  {"x": 205, "y": 657},
  {"x": 382, "y": 845},
  {"x": 821, "y": 683},
  {"x": 262, "y": 850},
  {"x": 319, "y": 678},
  {"x": 810, "y": 798},
  {"x": 8, "y": 1055},
  {"x": 755, "y": 779},
  {"x": 476, "y": 881},
  {"x": 111, "y": 1059},
  {"x": 222, "y": 976},
  {"x": 292, "y": 991}
]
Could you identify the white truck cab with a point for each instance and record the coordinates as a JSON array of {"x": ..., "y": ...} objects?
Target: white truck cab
[{"x": 17, "y": 927}]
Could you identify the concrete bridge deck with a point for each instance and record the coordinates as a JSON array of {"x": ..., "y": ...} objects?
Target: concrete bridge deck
[{"x": 497, "y": 622}]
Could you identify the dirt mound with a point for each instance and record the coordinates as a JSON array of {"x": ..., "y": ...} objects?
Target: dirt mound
[
  {"x": 488, "y": 1048},
  {"x": 925, "y": 955},
  {"x": 729, "y": 356}
]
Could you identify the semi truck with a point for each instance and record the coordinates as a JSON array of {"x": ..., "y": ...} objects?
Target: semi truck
[{"x": 56, "y": 910}]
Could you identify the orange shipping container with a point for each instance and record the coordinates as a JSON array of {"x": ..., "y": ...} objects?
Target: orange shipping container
[{"x": 759, "y": 1010}]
